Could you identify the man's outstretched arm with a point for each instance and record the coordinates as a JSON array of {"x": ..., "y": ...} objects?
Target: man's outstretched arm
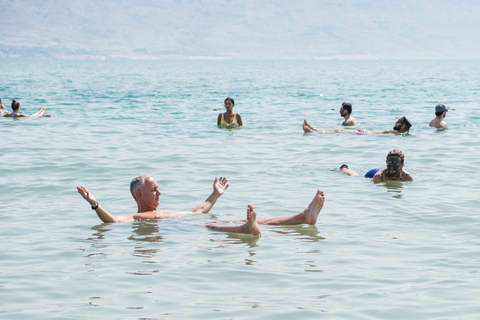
[
  {"x": 103, "y": 214},
  {"x": 219, "y": 187}
]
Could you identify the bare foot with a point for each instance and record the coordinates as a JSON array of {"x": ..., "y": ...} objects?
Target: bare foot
[
  {"x": 307, "y": 127},
  {"x": 251, "y": 225},
  {"x": 314, "y": 208}
]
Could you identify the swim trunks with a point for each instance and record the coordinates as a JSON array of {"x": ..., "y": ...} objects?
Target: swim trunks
[
  {"x": 371, "y": 173},
  {"x": 362, "y": 132}
]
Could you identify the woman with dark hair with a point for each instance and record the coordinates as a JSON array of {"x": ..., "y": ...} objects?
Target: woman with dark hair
[
  {"x": 229, "y": 119},
  {"x": 16, "y": 108}
]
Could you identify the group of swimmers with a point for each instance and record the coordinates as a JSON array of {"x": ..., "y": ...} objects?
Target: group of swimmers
[
  {"x": 402, "y": 125},
  {"x": 146, "y": 194},
  {"x": 230, "y": 119},
  {"x": 16, "y": 111}
]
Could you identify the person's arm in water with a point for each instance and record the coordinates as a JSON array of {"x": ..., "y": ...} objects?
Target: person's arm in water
[
  {"x": 219, "y": 187},
  {"x": 349, "y": 172},
  {"x": 219, "y": 119},
  {"x": 103, "y": 214},
  {"x": 239, "y": 120},
  {"x": 407, "y": 176},
  {"x": 379, "y": 176}
]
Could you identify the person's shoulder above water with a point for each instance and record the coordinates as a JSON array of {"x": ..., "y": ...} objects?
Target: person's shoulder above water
[
  {"x": 350, "y": 122},
  {"x": 346, "y": 113},
  {"x": 229, "y": 118},
  {"x": 394, "y": 170},
  {"x": 440, "y": 114}
]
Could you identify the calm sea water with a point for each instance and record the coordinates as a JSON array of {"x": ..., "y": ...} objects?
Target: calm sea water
[{"x": 387, "y": 251}]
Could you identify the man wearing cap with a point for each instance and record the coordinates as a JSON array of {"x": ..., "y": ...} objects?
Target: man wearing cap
[
  {"x": 401, "y": 126},
  {"x": 440, "y": 113}
]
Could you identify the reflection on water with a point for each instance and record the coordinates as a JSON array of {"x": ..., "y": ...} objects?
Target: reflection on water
[
  {"x": 305, "y": 232},
  {"x": 312, "y": 267},
  {"x": 251, "y": 262},
  {"x": 144, "y": 231},
  {"x": 99, "y": 233},
  {"x": 238, "y": 238},
  {"x": 394, "y": 187}
]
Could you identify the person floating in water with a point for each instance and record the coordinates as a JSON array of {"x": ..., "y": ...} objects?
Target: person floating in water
[
  {"x": 346, "y": 113},
  {"x": 393, "y": 172},
  {"x": 229, "y": 119},
  {"x": 440, "y": 113},
  {"x": 3, "y": 110},
  {"x": 401, "y": 126},
  {"x": 144, "y": 190},
  {"x": 16, "y": 108}
]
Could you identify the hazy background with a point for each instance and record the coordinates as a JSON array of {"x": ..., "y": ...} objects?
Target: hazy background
[{"x": 241, "y": 29}]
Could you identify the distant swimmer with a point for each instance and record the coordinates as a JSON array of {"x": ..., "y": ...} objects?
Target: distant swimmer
[
  {"x": 440, "y": 113},
  {"x": 3, "y": 110},
  {"x": 144, "y": 190},
  {"x": 393, "y": 172},
  {"x": 401, "y": 126},
  {"x": 16, "y": 108},
  {"x": 346, "y": 113},
  {"x": 229, "y": 119}
]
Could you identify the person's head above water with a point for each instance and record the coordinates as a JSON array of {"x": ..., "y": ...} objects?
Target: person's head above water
[
  {"x": 395, "y": 162},
  {"x": 439, "y": 109},
  {"x": 345, "y": 109},
  {"x": 15, "y": 105},
  {"x": 402, "y": 125}
]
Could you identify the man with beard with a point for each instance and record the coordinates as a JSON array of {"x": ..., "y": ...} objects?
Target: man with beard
[
  {"x": 440, "y": 113},
  {"x": 346, "y": 113},
  {"x": 402, "y": 125},
  {"x": 393, "y": 172}
]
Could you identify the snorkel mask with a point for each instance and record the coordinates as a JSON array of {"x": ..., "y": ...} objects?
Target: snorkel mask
[{"x": 394, "y": 166}]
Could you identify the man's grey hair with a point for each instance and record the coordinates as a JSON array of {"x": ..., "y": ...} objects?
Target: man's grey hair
[{"x": 138, "y": 183}]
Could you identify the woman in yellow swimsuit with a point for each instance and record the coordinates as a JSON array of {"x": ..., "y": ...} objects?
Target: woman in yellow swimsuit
[{"x": 229, "y": 119}]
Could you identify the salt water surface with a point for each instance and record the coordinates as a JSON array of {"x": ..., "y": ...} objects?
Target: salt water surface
[{"x": 385, "y": 251}]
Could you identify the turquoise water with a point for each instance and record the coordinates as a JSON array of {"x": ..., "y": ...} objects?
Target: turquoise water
[{"x": 384, "y": 251}]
